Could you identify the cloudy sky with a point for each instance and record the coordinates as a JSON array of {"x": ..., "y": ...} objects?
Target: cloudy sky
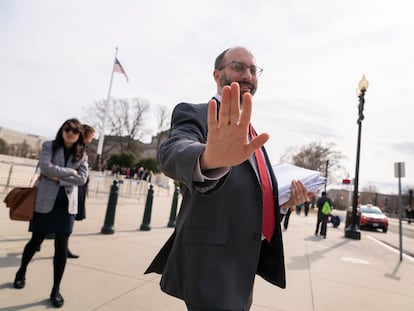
[{"x": 56, "y": 59}]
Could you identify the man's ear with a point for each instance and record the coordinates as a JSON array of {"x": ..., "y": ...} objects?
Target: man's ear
[{"x": 216, "y": 75}]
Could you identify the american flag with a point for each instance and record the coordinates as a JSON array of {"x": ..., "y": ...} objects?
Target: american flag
[{"x": 118, "y": 68}]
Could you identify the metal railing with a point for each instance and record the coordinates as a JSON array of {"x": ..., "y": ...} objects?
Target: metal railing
[
  {"x": 22, "y": 175},
  {"x": 16, "y": 175}
]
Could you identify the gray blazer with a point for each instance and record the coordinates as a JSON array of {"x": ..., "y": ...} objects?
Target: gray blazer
[
  {"x": 47, "y": 189},
  {"x": 212, "y": 257}
]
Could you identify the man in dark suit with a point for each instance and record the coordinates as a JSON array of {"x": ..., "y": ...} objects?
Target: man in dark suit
[{"x": 219, "y": 243}]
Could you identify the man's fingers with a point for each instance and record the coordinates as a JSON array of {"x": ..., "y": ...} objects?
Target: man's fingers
[
  {"x": 230, "y": 105},
  {"x": 258, "y": 142},
  {"x": 225, "y": 106},
  {"x": 234, "y": 104},
  {"x": 246, "y": 110},
  {"x": 299, "y": 193},
  {"x": 212, "y": 114}
]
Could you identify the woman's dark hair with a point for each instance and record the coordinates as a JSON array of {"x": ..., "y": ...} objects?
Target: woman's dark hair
[
  {"x": 87, "y": 129},
  {"x": 77, "y": 150}
]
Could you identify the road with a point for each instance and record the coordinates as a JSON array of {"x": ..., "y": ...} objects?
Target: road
[
  {"x": 392, "y": 237},
  {"x": 407, "y": 229}
]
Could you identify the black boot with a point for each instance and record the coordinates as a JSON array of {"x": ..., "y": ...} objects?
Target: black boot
[
  {"x": 20, "y": 279},
  {"x": 72, "y": 255},
  {"x": 57, "y": 299}
]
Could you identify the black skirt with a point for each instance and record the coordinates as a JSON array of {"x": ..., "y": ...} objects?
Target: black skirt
[{"x": 58, "y": 220}]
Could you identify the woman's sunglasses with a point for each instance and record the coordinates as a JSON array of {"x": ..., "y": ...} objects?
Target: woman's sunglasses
[{"x": 68, "y": 129}]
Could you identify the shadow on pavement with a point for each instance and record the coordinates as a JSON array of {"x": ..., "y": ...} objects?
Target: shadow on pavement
[
  {"x": 304, "y": 261},
  {"x": 28, "y": 306},
  {"x": 393, "y": 275}
]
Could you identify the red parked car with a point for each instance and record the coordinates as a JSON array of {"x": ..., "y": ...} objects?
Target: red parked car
[{"x": 373, "y": 217}]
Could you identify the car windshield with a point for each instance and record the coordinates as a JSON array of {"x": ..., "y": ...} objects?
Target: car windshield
[{"x": 370, "y": 210}]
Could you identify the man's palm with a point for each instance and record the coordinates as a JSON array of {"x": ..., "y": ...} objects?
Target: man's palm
[{"x": 227, "y": 139}]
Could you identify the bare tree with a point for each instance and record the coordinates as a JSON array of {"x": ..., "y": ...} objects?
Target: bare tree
[
  {"x": 315, "y": 156},
  {"x": 163, "y": 117},
  {"x": 128, "y": 121},
  {"x": 125, "y": 118}
]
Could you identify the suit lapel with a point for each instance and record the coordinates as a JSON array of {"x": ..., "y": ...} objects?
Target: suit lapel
[
  {"x": 253, "y": 164},
  {"x": 59, "y": 159}
]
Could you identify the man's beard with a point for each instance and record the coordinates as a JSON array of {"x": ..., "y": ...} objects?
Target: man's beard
[{"x": 224, "y": 81}]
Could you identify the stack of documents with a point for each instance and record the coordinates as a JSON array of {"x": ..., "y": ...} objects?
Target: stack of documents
[{"x": 285, "y": 173}]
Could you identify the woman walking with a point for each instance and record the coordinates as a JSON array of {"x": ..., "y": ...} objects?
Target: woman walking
[{"x": 63, "y": 166}]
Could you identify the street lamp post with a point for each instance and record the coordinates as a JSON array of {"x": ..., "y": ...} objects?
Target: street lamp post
[
  {"x": 353, "y": 231},
  {"x": 326, "y": 171}
]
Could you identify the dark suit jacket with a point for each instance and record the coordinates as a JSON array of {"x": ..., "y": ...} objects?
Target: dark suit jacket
[{"x": 212, "y": 257}]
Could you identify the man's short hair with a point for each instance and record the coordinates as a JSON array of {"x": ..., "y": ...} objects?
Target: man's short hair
[{"x": 219, "y": 60}]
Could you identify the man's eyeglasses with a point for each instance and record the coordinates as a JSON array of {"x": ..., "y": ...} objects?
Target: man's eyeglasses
[
  {"x": 241, "y": 68},
  {"x": 68, "y": 129}
]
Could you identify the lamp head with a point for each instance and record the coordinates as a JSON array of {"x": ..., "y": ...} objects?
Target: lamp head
[{"x": 363, "y": 84}]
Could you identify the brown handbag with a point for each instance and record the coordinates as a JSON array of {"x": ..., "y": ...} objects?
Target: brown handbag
[{"x": 21, "y": 201}]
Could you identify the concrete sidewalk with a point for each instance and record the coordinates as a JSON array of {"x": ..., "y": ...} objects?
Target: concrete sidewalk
[{"x": 322, "y": 274}]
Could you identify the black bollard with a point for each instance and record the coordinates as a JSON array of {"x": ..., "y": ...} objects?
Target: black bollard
[
  {"x": 173, "y": 213},
  {"x": 110, "y": 210},
  {"x": 145, "y": 226}
]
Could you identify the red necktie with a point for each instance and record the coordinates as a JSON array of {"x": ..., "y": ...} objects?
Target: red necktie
[{"x": 267, "y": 192}]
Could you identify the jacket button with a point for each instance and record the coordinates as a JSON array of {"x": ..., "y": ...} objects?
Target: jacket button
[{"x": 257, "y": 236}]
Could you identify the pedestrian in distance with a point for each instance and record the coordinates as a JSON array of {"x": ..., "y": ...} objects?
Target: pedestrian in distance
[
  {"x": 409, "y": 212},
  {"x": 323, "y": 215},
  {"x": 335, "y": 220},
  {"x": 306, "y": 206},
  {"x": 299, "y": 208},
  {"x": 88, "y": 132},
  {"x": 63, "y": 166},
  {"x": 284, "y": 217},
  {"x": 228, "y": 228}
]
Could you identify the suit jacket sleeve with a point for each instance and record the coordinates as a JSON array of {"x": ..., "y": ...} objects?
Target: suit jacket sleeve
[
  {"x": 53, "y": 165},
  {"x": 48, "y": 167},
  {"x": 178, "y": 156}
]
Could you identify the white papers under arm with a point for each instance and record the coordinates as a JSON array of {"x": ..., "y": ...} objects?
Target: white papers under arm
[{"x": 285, "y": 173}]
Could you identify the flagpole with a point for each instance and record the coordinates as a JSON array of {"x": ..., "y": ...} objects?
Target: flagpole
[{"x": 102, "y": 134}]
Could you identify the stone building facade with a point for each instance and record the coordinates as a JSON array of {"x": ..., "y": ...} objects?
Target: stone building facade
[
  {"x": 22, "y": 144},
  {"x": 28, "y": 146}
]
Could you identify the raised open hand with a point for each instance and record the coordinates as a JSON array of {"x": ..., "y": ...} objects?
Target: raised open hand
[{"x": 227, "y": 138}]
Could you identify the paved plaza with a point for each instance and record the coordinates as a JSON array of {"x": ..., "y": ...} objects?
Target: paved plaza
[{"x": 322, "y": 274}]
